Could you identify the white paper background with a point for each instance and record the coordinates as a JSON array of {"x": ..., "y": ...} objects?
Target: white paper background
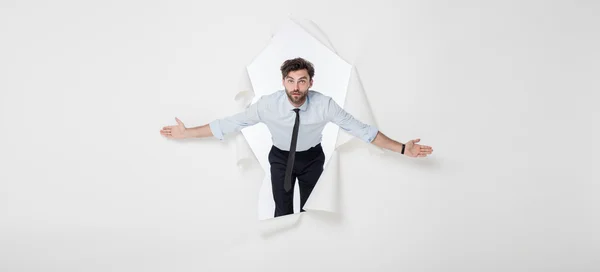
[{"x": 504, "y": 91}]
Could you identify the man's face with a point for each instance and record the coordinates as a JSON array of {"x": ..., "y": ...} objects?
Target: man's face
[{"x": 296, "y": 85}]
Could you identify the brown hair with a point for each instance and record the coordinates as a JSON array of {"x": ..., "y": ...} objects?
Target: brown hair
[{"x": 295, "y": 65}]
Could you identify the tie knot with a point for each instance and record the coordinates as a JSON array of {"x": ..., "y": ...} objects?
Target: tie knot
[{"x": 296, "y": 110}]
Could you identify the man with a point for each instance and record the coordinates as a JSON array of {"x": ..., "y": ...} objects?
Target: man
[{"x": 295, "y": 117}]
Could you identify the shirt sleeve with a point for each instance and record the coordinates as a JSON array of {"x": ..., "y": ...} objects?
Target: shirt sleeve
[
  {"x": 234, "y": 123},
  {"x": 348, "y": 123}
]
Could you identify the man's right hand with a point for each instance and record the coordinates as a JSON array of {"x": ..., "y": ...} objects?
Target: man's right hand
[{"x": 175, "y": 132}]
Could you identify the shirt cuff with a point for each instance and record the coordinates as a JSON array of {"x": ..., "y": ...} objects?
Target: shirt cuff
[
  {"x": 372, "y": 132},
  {"x": 216, "y": 130}
]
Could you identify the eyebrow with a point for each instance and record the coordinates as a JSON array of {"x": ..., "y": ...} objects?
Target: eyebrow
[{"x": 303, "y": 77}]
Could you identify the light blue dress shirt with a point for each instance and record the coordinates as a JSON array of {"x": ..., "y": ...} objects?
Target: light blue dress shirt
[{"x": 276, "y": 112}]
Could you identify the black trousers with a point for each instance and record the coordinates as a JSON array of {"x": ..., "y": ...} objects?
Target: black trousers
[{"x": 308, "y": 167}]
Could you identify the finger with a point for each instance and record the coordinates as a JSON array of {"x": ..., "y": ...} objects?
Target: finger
[
  {"x": 167, "y": 128},
  {"x": 178, "y": 121},
  {"x": 417, "y": 140}
]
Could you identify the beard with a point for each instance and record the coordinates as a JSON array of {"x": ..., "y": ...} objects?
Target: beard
[{"x": 298, "y": 98}]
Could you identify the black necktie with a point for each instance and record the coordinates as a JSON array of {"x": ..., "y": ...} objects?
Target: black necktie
[{"x": 287, "y": 184}]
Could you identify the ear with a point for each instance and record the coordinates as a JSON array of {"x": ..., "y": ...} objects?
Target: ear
[{"x": 311, "y": 83}]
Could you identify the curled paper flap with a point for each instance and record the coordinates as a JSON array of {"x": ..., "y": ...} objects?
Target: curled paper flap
[
  {"x": 245, "y": 156},
  {"x": 310, "y": 27},
  {"x": 245, "y": 91},
  {"x": 358, "y": 106},
  {"x": 278, "y": 224},
  {"x": 244, "y": 99}
]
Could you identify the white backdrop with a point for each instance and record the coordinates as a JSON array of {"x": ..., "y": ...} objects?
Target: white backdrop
[{"x": 505, "y": 93}]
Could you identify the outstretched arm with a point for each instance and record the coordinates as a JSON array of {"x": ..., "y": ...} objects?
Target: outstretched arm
[
  {"x": 217, "y": 128},
  {"x": 198, "y": 132},
  {"x": 411, "y": 148},
  {"x": 179, "y": 131},
  {"x": 372, "y": 135},
  {"x": 384, "y": 142}
]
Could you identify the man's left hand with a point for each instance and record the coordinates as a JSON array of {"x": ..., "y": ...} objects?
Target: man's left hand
[{"x": 412, "y": 149}]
